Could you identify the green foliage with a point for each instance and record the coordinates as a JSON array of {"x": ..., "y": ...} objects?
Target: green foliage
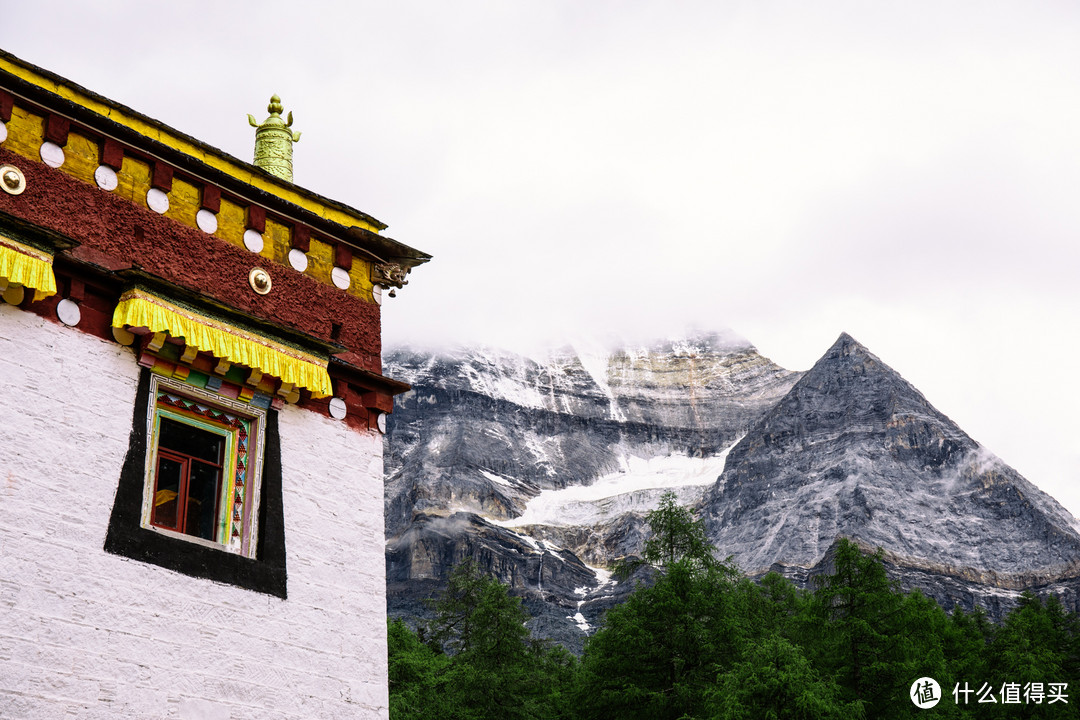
[
  {"x": 477, "y": 617},
  {"x": 676, "y": 536},
  {"x": 658, "y": 652},
  {"x": 414, "y": 669},
  {"x": 1038, "y": 642},
  {"x": 858, "y": 613},
  {"x": 704, "y": 643},
  {"x": 479, "y": 663},
  {"x": 775, "y": 681}
]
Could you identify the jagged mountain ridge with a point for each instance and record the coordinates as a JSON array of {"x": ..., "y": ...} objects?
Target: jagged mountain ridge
[
  {"x": 537, "y": 467},
  {"x": 488, "y": 430}
]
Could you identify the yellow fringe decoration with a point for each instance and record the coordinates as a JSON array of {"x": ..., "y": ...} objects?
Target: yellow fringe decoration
[
  {"x": 23, "y": 265},
  {"x": 139, "y": 308}
]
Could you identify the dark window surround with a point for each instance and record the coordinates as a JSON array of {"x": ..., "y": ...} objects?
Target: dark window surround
[{"x": 126, "y": 537}]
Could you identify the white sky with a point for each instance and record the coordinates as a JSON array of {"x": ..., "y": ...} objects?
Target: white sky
[{"x": 906, "y": 172}]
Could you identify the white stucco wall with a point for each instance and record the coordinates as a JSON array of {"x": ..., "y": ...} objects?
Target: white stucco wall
[{"x": 86, "y": 634}]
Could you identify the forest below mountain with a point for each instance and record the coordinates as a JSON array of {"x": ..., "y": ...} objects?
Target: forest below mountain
[{"x": 699, "y": 640}]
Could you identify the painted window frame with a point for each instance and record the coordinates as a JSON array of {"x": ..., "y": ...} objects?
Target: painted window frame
[
  {"x": 265, "y": 572},
  {"x": 244, "y": 427}
]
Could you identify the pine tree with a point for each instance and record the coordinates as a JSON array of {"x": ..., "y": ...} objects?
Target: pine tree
[
  {"x": 495, "y": 671},
  {"x": 413, "y": 672},
  {"x": 858, "y": 612},
  {"x": 775, "y": 681},
  {"x": 658, "y": 653}
]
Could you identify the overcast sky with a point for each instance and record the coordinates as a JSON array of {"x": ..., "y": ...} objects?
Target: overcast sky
[{"x": 906, "y": 172}]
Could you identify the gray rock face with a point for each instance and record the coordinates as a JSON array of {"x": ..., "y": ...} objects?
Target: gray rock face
[
  {"x": 483, "y": 433},
  {"x": 542, "y": 471},
  {"x": 854, "y": 450}
]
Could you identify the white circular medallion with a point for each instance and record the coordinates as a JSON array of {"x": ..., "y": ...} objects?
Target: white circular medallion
[
  {"x": 52, "y": 154},
  {"x": 3, "y": 132},
  {"x": 105, "y": 177},
  {"x": 341, "y": 278},
  {"x": 68, "y": 312},
  {"x": 253, "y": 240},
  {"x": 157, "y": 200},
  {"x": 376, "y": 292},
  {"x": 381, "y": 421},
  {"x": 926, "y": 693},
  {"x": 207, "y": 221},
  {"x": 338, "y": 410},
  {"x": 298, "y": 259}
]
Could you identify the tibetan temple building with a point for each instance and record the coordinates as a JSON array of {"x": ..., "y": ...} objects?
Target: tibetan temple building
[{"x": 191, "y": 498}]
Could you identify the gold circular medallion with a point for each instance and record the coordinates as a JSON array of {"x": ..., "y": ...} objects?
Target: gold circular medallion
[
  {"x": 12, "y": 180},
  {"x": 260, "y": 280}
]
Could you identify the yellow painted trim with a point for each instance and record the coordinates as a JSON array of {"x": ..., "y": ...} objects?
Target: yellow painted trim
[
  {"x": 23, "y": 265},
  {"x": 138, "y": 308},
  {"x": 26, "y": 133},
  {"x": 221, "y": 162}
]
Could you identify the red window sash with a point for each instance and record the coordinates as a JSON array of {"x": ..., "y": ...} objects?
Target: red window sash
[
  {"x": 181, "y": 492},
  {"x": 182, "y": 497}
]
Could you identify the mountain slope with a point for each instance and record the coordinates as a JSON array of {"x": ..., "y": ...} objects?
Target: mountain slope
[{"x": 854, "y": 450}]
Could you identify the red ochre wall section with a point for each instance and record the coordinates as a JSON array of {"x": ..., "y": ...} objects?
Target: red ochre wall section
[{"x": 113, "y": 232}]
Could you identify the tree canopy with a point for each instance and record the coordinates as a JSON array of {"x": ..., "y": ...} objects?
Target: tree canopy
[{"x": 702, "y": 642}]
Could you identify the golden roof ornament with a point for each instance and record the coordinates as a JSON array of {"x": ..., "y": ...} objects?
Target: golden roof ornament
[{"x": 274, "y": 140}]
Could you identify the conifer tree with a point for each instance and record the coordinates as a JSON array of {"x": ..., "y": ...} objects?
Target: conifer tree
[
  {"x": 413, "y": 672},
  {"x": 492, "y": 669},
  {"x": 859, "y": 611},
  {"x": 658, "y": 653},
  {"x": 775, "y": 681}
]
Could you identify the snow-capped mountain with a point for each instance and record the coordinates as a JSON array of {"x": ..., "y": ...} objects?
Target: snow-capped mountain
[{"x": 542, "y": 469}]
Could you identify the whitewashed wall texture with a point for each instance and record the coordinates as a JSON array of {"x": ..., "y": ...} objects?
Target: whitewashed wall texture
[{"x": 86, "y": 634}]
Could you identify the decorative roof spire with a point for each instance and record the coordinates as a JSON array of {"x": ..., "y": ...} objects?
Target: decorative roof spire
[{"x": 273, "y": 141}]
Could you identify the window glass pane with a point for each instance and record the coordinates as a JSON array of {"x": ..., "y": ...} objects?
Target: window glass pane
[
  {"x": 203, "y": 494},
  {"x": 190, "y": 440},
  {"x": 169, "y": 473},
  {"x": 203, "y": 447}
]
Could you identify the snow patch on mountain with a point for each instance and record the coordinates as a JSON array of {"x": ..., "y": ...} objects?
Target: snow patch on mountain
[
  {"x": 596, "y": 365},
  {"x": 513, "y": 387},
  {"x": 497, "y": 479},
  {"x": 638, "y": 487}
]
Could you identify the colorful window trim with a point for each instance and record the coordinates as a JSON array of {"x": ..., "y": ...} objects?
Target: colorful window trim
[
  {"x": 26, "y": 266},
  {"x": 231, "y": 435},
  {"x": 141, "y": 309}
]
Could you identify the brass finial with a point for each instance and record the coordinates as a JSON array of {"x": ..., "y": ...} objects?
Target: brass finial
[{"x": 273, "y": 141}]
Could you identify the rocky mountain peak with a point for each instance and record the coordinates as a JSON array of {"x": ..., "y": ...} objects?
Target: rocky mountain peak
[
  {"x": 855, "y": 450},
  {"x": 850, "y": 389},
  {"x": 848, "y": 360}
]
